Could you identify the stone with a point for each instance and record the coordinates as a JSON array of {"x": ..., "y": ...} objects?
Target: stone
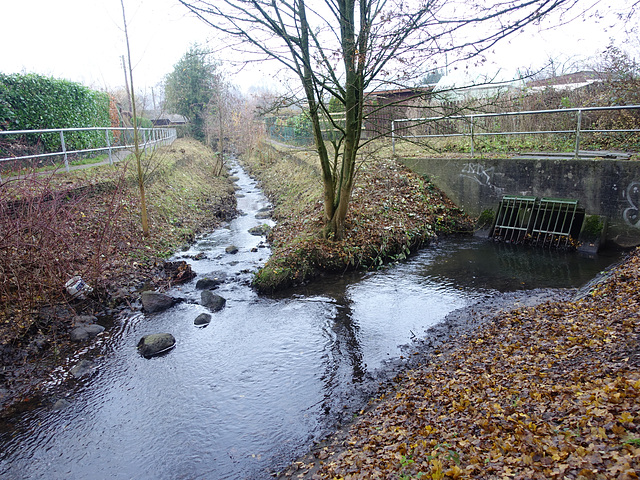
[
  {"x": 38, "y": 344},
  {"x": 232, "y": 249},
  {"x": 61, "y": 404},
  {"x": 85, "y": 332},
  {"x": 213, "y": 302},
  {"x": 263, "y": 215},
  {"x": 93, "y": 330},
  {"x": 260, "y": 230},
  {"x": 156, "y": 344},
  {"x": 178, "y": 272},
  {"x": 80, "y": 320},
  {"x": 82, "y": 368},
  {"x": 202, "y": 320},
  {"x": 208, "y": 283},
  {"x": 153, "y": 302}
]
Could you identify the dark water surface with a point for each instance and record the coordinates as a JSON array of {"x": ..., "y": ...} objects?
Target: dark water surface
[{"x": 251, "y": 391}]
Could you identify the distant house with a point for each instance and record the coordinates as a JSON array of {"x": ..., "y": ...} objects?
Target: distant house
[
  {"x": 381, "y": 107},
  {"x": 404, "y": 96},
  {"x": 465, "y": 85},
  {"x": 571, "y": 81},
  {"x": 161, "y": 119}
]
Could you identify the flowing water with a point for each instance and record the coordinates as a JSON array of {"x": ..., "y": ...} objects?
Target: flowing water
[{"x": 252, "y": 390}]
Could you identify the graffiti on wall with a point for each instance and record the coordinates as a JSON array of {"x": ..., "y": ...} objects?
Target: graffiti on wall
[
  {"x": 631, "y": 214},
  {"x": 477, "y": 172}
]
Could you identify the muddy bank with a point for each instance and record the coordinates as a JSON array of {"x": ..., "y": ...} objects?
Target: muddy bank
[
  {"x": 27, "y": 364},
  {"x": 436, "y": 342}
]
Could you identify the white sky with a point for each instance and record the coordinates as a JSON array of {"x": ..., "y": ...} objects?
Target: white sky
[{"x": 82, "y": 41}]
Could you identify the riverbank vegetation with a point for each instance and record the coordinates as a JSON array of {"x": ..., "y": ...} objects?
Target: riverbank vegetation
[
  {"x": 87, "y": 223},
  {"x": 392, "y": 213},
  {"x": 538, "y": 393}
]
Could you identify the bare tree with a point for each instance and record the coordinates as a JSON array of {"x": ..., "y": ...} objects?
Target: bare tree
[
  {"x": 340, "y": 48},
  {"x": 137, "y": 151}
]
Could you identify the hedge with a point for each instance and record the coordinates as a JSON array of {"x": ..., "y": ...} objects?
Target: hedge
[{"x": 32, "y": 102}]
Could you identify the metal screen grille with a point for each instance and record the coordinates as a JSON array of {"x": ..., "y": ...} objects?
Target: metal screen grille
[
  {"x": 547, "y": 222},
  {"x": 554, "y": 221},
  {"x": 513, "y": 220}
]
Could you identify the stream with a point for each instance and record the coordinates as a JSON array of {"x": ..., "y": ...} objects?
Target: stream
[{"x": 246, "y": 395}]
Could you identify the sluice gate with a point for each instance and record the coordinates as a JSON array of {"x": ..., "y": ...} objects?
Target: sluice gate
[{"x": 544, "y": 222}]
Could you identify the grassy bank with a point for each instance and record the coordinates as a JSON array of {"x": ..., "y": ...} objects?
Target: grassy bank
[
  {"x": 87, "y": 223},
  {"x": 393, "y": 212}
]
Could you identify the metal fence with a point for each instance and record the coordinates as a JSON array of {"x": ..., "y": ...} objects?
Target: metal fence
[
  {"x": 115, "y": 139},
  {"x": 408, "y": 128}
]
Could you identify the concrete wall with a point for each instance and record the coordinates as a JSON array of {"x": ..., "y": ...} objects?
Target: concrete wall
[{"x": 603, "y": 187}]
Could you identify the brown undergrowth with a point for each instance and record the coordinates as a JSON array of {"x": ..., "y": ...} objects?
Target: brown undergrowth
[
  {"x": 393, "y": 212},
  {"x": 87, "y": 223}
]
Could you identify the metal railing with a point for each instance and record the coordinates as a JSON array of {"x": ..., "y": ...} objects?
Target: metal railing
[
  {"x": 472, "y": 132},
  {"x": 148, "y": 137}
]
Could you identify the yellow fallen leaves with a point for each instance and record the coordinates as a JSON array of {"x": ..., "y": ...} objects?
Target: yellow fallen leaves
[{"x": 541, "y": 393}]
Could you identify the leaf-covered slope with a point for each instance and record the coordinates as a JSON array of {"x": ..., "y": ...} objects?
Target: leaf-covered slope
[{"x": 540, "y": 393}]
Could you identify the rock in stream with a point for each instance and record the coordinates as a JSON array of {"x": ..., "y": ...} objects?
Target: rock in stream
[
  {"x": 213, "y": 302},
  {"x": 156, "y": 344}
]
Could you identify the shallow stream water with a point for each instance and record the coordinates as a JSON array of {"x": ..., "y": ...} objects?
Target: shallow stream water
[{"x": 251, "y": 391}]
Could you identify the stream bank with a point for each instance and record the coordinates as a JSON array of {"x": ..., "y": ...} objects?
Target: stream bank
[
  {"x": 96, "y": 235},
  {"x": 268, "y": 376},
  {"x": 535, "y": 385}
]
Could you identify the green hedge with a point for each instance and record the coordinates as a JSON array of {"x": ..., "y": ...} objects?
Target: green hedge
[{"x": 31, "y": 102}]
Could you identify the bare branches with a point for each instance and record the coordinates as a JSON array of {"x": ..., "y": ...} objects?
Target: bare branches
[{"x": 340, "y": 48}]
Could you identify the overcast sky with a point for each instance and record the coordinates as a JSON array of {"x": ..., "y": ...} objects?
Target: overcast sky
[{"x": 83, "y": 40}]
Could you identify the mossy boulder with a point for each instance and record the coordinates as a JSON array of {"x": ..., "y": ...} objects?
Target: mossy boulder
[{"x": 156, "y": 344}]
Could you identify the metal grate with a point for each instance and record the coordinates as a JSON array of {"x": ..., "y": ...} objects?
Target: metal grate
[
  {"x": 548, "y": 222},
  {"x": 554, "y": 221},
  {"x": 513, "y": 219}
]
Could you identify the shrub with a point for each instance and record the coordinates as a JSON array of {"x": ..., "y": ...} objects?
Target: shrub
[{"x": 33, "y": 102}]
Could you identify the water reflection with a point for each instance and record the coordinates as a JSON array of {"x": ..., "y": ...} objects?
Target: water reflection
[
  {"x": 478, "y": 263},
  {"x": 347, "y": 344}
]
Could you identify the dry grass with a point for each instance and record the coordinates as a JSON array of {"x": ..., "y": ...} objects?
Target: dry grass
[{"x": 87, "y": 223}]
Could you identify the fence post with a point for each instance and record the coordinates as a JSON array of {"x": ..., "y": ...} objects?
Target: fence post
[
  {"x": 106, "y": 133},
  {"x": 393, "y": 136},
  {"x": 64, "y": 150},
  {"x": 472, "y": 140},
  {"x": 578, "y": 125}
]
